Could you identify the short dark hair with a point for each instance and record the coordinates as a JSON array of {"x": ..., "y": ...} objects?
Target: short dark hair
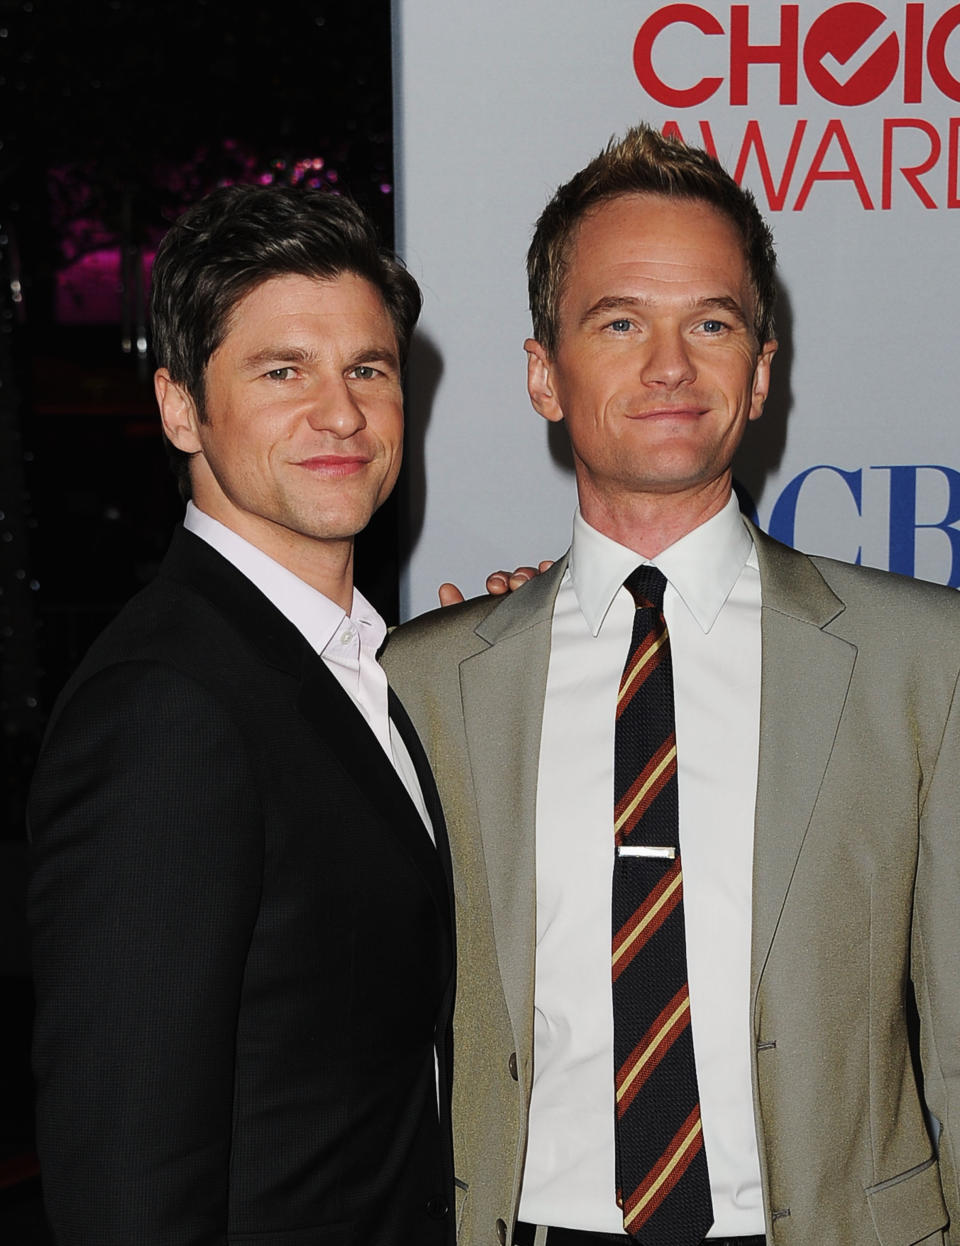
[
  {"x": 644, "y": 161},
  {"x": 236, "y": 238}
]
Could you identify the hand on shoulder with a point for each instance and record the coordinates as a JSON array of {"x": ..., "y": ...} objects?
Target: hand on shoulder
[{"x": 498, "y": 583}]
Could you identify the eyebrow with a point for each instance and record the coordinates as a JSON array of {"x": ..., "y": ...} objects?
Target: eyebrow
[
  {"x": 280, "y": 355},
  {"x": 625, "y": 303},
  {"x": 377, "y": 354},
  {"x": 275, "y": 354}
]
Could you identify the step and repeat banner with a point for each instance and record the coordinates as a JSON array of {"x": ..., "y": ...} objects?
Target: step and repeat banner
[{"x": 842, "y": 118}]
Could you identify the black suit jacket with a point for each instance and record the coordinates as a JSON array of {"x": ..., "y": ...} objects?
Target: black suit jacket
[{"x": 243, "y": 941}]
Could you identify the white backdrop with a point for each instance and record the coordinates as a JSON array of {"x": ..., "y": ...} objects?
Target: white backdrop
[{"x": 843, "y": 118}]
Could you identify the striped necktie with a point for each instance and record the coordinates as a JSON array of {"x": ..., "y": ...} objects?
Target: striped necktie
[{"x": 663, "y": 1187}]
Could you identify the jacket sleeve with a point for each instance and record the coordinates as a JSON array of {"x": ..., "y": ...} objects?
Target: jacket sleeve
[
  {"x": 936, "y": 954},
  {"x": 148, "y": 858}
]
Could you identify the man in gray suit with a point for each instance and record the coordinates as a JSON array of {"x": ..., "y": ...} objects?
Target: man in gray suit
[{"x": 816, "y": 763}]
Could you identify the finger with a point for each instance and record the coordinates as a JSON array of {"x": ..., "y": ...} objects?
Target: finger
[
  {"x": 498, "y": 583},
  {"x": 449, "y": 595},
  {"x": 521, "y": 575},
  {"x": 545, "y": 565}
]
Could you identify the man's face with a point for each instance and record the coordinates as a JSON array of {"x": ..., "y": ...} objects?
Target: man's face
[
  {"x": 304, "y": 416},
  {"x": 656, "y": 370}
]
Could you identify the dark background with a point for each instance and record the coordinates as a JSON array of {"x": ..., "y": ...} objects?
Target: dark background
[{"x": 114, "y": 116}]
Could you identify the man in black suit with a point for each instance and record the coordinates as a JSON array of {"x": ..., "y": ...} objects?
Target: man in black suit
[{"x": 241, "y": 910}]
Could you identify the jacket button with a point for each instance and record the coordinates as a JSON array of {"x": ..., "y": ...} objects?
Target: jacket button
[
  {"x": 502, "y": 1232},
  {"x": 437, "y": 1209},
  {"x": 512, "y": 1065}
]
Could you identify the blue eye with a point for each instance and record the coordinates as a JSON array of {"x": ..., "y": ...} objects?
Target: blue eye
[
  {"x": 713, "y": 326},
  {"x": 620, "y": 326}
]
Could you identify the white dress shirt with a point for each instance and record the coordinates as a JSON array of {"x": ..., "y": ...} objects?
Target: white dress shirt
[
  {"x": 712, "y": 609},
  {"x": 347, "y": 643}
]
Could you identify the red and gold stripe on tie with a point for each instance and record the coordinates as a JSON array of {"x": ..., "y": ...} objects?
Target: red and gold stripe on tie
[
  {"x": 651, "y": 1049},
  {"x": 643, "y": 791},
  {"x": 645, "y": 659},
  {"x": 648, "y": 918},
  {"x": 671, "y": 1166}
]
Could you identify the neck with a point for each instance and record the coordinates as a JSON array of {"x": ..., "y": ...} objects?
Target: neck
[
  {"x": 324, "y": 564},
  {"x": 649, "y": 523}
]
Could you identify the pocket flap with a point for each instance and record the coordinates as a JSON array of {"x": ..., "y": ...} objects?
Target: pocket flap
[{"x": 909, "y": 1207}]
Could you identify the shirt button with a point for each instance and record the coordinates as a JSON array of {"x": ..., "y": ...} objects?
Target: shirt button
[
  {"x": 436, "y": 1209},
  {"x": 346, "y": 637},
  {"x": 502, "y": 1232},
  {"x": 512, "y": 1065}
]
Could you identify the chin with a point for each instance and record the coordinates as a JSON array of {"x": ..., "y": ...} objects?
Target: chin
[{"x": 673, "y": 473}]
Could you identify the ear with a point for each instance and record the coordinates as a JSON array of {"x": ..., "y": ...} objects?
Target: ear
[
  {"x": 178, "y": 412},
  {"x": 540, "y": 384},
  {"x": 761, "y": 378}
]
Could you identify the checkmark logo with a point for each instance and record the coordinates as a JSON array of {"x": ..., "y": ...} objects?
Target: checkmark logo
[
  {"x": 843, "y": 69},
  {"x": 850, "y": 54}
]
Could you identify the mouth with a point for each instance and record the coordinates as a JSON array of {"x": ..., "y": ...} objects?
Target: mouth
[
  {"x": 333, "y": 466},
  {"x": 668, "y": 413}
]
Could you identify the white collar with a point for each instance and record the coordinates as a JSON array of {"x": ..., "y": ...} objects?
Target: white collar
[
  {"x": 702, "y": 567},
  {"x": 316, "y": 616}
]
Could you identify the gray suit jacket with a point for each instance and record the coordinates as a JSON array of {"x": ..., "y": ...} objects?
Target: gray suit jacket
[{"x": 855, "y": 898}]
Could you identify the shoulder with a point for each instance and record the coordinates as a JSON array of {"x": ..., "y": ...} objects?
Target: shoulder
[
  {"x": 140, "y": 717},
  {"x": 457, "y": 632},
  {"x": 178, "y": 627},
  {"x": 169, "y": 665},
  {"x": 870, "y": 584},
  {"x": 920, "y": 621},
  {"x": 427, "y": 651},
  {"x": 142, "y": 762},
  {"x": 781, "y": 563},
  {"x": 447, "y": 624},
  {"x": 862, "y": 604}
]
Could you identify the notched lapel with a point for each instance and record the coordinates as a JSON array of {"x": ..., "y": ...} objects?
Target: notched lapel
[
  {"x": 503, "y": 687},
  {"x": 345, "y": 733},
  {"x": 428, "y": 787},
  {"x": 806, "y": 674},
  {"x": 321, "y": 700},
  {"x": 196, "y": 565}
]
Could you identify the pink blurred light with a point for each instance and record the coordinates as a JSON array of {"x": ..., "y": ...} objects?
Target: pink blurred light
[{"x": 89, "y": 290}]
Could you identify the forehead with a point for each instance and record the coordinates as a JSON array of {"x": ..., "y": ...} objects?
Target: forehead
[
  {"x": 662, "y": 241},
  {"x": 334, "y": 305}
]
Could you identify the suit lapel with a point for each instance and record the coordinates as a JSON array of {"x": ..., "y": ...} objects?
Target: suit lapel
[
  {"x": 431, "y": 796},
  {"x": 503, "y": 686},
  {"x": 345, "y": 733},
  {"x": 505, "y": 683},
  {"x": 444, "y": 1035},
  {"x": 321, "y": 700},
  {"x": 806, "y": 672},
  {"x": 196, "y": 565}
]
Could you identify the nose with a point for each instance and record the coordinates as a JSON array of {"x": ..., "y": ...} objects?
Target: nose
[
  {"x": 333, "y": 408},
  {"x": 667, "y": 360}
]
